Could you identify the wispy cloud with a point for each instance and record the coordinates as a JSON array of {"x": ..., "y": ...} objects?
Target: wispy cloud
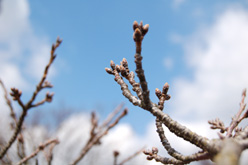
[
  {"x": 177, "y": 3},
  {"x": 218, "y": 54},
  {"x": 23, "y": 54}
]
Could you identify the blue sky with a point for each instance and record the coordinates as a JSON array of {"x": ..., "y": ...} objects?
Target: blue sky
[
  {"x": 95, "y": 32},
  {"x": 198, "y": 47}
]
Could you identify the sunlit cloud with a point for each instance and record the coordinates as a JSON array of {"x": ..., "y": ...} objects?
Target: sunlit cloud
[{"x": 23, "y": 54}]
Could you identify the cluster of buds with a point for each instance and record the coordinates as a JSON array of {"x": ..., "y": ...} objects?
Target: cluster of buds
[
  {"x": 16, "y": 93},
  {"x": 151, "y": 154},
  {"x": 241, "y": 115},
  {"x": 54, "y": 47},
  {"x": 49, "y": 97},
  {"x": 139, "y": 31},
  {"x": 47, "y": 84},
  {"x": 124, "y": 71},
  {"x": 162, "y": 96},
  {"x": 217, "y": 124}
]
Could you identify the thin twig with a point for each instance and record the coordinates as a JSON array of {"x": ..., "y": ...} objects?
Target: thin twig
[
  {"x": 94, "y": 140},
  {"x": 49, "y": 155},
  {"x": 20, "y": 145},
  {"x": 153, "y": 155},
  {"x": 40, "y": 148},
  {"x": 111, "y": 116},
  {"x": 116, "y": 154},
  {"x": 139, "y": 33},
  {"x": 17, "y": 94},
  {"x": 237, "y": 119},
  {"x": 9, "y": 103},
  {"x": 132, "y": 156}
]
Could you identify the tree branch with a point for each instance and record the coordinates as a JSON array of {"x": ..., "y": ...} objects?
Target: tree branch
[{"x": 16, "y": 94}]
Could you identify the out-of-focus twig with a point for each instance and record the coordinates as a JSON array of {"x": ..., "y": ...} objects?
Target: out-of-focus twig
[
  {"x": 116, "y": 154},
  {"x": 111, "y": 116},
  {"x": 40, "y": 148},
  {"x": 49, "y": 154},
  {"x": 9, "y": 103},
  {"x": 96, "y": 136},
  {"x": 20, "y": 143},
  {"x": 238, "y": 118},
  {"x": 16, "y": 94},
  {"x": 132, "y": 156}
]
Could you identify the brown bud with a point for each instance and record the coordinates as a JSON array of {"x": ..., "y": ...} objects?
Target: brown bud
[
  {"x": 15, "y": 93},
  {"x": 53, "y": 48},
  {"x": 167, "y": 97},
  {"x": 135, "y": 25},
  {"x": 145, "y": 29},
  {"x": 20, "y": 139},
  {"x": 137, "y": 35},
  {"x": 147, "y": 152},
  {"x": 48, "y": 84},
  {"x": 116, "y": 153},
  {"x": 49, "y": 97},
  {"x": 122, "y": 68},
  {"x": 124, "y": 62},
  {"x": 158, "y": 93},
  {"x": 125, "y": 111},
  {"x": 123, "y": 71},
  {"x": 117, "y": 67},
  {"x": 154, "y": 150},
  {"x": 112, "y": 64},
  {"x": 165, "y": 88},
  {"x": 41, "y": 147},
  {"x": 58, "y": 41},
  {"x": 149, "y": 157},
  {"x": 109, "y": 71},
  {"x": 245, "y": 114}
]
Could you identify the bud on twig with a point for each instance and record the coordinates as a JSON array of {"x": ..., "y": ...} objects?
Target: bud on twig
[{"x": 16, "y": 94}]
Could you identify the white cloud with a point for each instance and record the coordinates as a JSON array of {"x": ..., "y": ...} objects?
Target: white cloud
[
  {"x": 23, "y": 54},
  {"x": 74, "y": 133},
  {"x": 218, "y": 55},
  {"x": 177, "y": 3}
]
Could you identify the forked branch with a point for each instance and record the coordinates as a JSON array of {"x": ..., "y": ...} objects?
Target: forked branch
[
  {"x": 39, "y": 148},
  {"x": 16, "y": 94},
  {"x": 209, "y": 149},
  {"x": 97, "y": 132}
]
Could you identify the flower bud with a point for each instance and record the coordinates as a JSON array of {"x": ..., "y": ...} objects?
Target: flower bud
[{"x": 135, "y": 25}]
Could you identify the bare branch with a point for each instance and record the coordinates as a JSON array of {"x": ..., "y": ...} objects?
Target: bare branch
[
  {"x": 9, "y": 103},
  {"x": 40, "y": 148},
  {"x": 217, "y": 124},
  {"x": 139, "y": 33},
  {"x": 144, "y": 102},
  {"x": 116, "y": 154},
  {"x": 162, "y": 96},
  {"x": 111, "y": 116},
  {"x": 237, "y": 119},
  {"x": 153, "y": 155},
  {"x": 132, "y": 156},
  {"x": 95, "y": 137},
  {"x": 16, "y": 94},
  {"x": 49, "y": 154}
]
